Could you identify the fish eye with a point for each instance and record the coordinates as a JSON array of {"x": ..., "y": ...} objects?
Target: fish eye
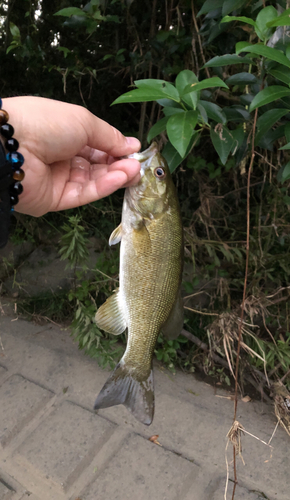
[{"x": 159, "y": 173}]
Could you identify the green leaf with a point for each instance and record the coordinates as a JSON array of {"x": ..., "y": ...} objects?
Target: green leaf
[
  {"x": 205, "y": 84},
  {"x": 281, "y": 73},
  {"x": 216, "y": 30},
  {"x": 157, "y": 128},
  {"x": 226, "y": 59},
  {"x": 236, "y": 113},
  {"x": 11, "y": 47},
  {"x": 268, "y": 95},
  {"x": 287, "y": 146},
  {"x": 268, "y": 139},
  {"x": 210, "y": 5},
  {"x": 14, "y": 30},
  {"x": 223, "y": 142},
  {"x": 140, "y": 95},
  {"x": 185, "y": 78},
  {"x": 242, "y": 19},
  {"x": 282, "y": 20},
  {"x": 166, "y": 88},
  {"x": 168, "y": 103},
  {"x": 230, "y": 5},
  {"x": 241, "y": 79},
  {"x": 180, "y": 128},
  {"x": 202, "y": 117},
  {"x": 107, "y": 56},
  {"x": 263, "y": 50},
  {"x": 158, "y": 85},
  {"x": 169, "y": 111},
  {"x": 214, "y": 112},
  {"x": 97, "y": 15},
  {"x": 191, "y": 99},
  {"x": 65, "y": 50},
  {"x": 287, "y": 132},
  {"x": 162, "y": 35},
  {"x": 112, "y": 18},
  {"x": 265, "y": 16},
  {"x": 70, "y": 11},
  {"x": 286, "y": 172},
  {"x": 238, "y": 138},
  {"x": 267, "y": 120},
  {"x": 172, "y": 156}
]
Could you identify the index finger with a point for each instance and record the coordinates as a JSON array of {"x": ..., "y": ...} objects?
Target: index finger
[{"x": 105, "y": 137}]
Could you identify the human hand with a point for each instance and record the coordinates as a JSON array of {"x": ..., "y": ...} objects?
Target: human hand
[{"x": 71, "y": 156}]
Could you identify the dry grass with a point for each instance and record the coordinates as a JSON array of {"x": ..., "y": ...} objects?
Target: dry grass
[{"x": 281, "y": 399}]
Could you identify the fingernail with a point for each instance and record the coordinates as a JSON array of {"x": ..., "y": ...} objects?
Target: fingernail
[{"x": 133, "y": 143}]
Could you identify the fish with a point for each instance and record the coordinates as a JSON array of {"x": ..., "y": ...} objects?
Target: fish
[{"x": 148, "y": 300}]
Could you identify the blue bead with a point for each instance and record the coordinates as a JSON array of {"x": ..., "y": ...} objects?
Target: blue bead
[
  {"x": 16, "y": 159},
  {"x": 12, "y": 209},
  {"x": 0, "y": 103}
]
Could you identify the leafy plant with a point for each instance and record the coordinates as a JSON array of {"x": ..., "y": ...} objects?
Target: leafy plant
[
  {"x": 73, "y": 243},
  {"x": 209, "y": 78},
  {"x": 185, "y": 115},
  {"x": 166, "y": 351}
]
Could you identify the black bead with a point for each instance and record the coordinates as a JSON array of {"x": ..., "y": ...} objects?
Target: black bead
[
  {"x": 13, "y": 199},
  {"x": 16, "y": 188},
  {"x": 7, "y": 130},
  {"x": 12, "y": 145}
]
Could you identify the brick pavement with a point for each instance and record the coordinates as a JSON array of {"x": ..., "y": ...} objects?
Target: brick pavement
[{"x": 54, "y": 447}]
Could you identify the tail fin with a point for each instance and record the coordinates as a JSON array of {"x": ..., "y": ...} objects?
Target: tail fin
[{"x": 134, "y": 391}]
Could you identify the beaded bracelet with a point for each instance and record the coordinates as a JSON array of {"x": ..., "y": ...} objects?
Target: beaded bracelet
[{"x": 11, "y": 174}]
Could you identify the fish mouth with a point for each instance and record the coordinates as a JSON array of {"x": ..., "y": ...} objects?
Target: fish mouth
[{"x": 145, "y": 155}]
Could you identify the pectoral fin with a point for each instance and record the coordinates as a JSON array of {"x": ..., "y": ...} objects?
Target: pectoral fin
[
  {"x": 174, "y": 323},
  {"x": 116, "y": 236},
  {"x": 110, "y": 316}
]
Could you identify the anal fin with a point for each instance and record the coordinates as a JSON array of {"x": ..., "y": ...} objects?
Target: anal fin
[{"x": 174, "y": 323}]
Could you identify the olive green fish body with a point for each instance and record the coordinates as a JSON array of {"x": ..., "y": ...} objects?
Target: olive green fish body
[
  {"x": 148, "y": 299},
  {"x": 150, "y": 267}
]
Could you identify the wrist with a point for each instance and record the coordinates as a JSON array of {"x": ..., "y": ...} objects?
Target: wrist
[{"x": 11, "y": 173}]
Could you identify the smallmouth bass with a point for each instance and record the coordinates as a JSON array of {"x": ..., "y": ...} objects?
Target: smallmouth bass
[{"x": 148, "y": 299}]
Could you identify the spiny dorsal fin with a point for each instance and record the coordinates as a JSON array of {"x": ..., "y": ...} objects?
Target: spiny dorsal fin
[{"x": 110, "y": 316}]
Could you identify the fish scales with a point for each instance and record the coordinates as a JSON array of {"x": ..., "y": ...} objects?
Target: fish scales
[
  {"x": 148, "y": 299},
  {"x": 158, "y": 282}
]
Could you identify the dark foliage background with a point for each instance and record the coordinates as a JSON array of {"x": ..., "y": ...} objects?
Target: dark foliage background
[{"x": 90, "y": 54}]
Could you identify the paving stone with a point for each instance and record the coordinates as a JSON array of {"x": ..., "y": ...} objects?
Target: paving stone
[
  {"x": 2, "y": 371},
  {"x": 20, "y": 401},
  {"x": 264, "y": 469},
  {"x": 195, "y": 443},
  {"x": 144, "y": 471},
  {"x": 65, "y": 443},
  {"x": 6, "y": 492},
  {"x": 240, "y": 493},
  {"x": 29, "y": 496}
]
